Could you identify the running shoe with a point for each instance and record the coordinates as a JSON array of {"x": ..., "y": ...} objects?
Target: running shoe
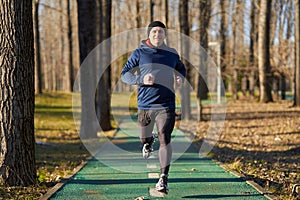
[
  {"x": 162, "y": 184},
  {"x": 148, "y": 147},
  {"x": 147, "y": 150}
]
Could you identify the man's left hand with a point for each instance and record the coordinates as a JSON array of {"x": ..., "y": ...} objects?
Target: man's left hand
[{"x": 179, "y": 81}]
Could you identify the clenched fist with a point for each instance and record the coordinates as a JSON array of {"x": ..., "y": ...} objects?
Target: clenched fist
[
  {"x": 149, "y": 79},
  {"x": 179, "y": 81}
]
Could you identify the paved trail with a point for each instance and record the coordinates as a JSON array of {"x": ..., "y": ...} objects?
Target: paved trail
[{"x": 125, "y": 175}]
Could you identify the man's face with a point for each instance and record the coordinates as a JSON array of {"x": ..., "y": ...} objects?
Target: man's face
[{"x": 157, "y": 36}]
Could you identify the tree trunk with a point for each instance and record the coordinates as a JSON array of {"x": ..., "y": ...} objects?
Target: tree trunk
[
  {"x": 37, "y": 50},
  {"x": 233, "y": 62},
  {"x": 70, "y": 68},
  {"x": 185, "y": 90},
  {"x": 60, "y": 63},
  {"x": 104, "y": 86},
  {"x": 224, "y": 24},
  {"x": 252, "y": 63},
  {"x": 17, "y": 150},
  {"x": 223, "y": 33},
  {"x": 202, "y": 89},
  {"x": 265, "y": 77},
  {"x": 87, "y": 41},
  {"x": 283, "y": 86},
  {"x": 297, "y": 53},
  {"x": 159, "y": 10},
  {"x": 151, "y": 13},
  {"x": 276, "y": 86},
  {"x": 75, "y": 38},
  {"x": 290, "y": 24},
  {"x": 166, "y": 7}
]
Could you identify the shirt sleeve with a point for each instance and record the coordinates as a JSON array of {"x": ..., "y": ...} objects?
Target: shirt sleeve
[
  {"x": 180, "y": 68},
  {"x": 130, "y": 72}
]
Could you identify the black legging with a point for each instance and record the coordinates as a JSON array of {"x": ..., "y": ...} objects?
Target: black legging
[{"x": 165, "y": 120}]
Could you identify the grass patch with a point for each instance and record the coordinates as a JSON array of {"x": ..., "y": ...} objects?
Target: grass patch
[{"x": 59, "y": 149}]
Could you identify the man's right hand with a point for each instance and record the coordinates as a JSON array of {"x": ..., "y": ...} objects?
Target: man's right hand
[{"x": 149, "y": 79}]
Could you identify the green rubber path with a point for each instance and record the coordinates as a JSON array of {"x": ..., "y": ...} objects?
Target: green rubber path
[{"x": 121, "y": 173}]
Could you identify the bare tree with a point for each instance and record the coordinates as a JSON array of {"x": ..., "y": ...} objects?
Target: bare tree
[
  {"x": 265, "y": 76},
  {"x": 233, "y": 60},
  {"x": 252, "y": 52},
  {"x": 160, "y": 10},
  {"x": 204, "y": 19},
  {"x": 37, "y": 49},
  {"x": 69, "y": 68},
  {"x": 87, "y": 41},
  {"x": 17, "y": 149},
  {"x": 104, "y": 86},
  {"x": 151, "y": 10},
  {"x": 75, "y": 38},
  {"x": 184, "y": 29},
  {"x": 223, "y": 32},
  {"x": 297, "y": 53},
  {"x": 52, "y": 53},
  {"x": 281, "y": 49},
  {"x": 240, "y": 55},
  {"x": 61, "y": 61},
  {"x": 236, "y": 57}
]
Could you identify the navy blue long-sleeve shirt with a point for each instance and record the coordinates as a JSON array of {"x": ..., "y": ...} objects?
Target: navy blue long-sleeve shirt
[{"x": 163, "y": 63}]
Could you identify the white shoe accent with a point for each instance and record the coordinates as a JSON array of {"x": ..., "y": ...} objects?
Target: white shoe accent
[
  {"x": 162, "y": 184},
  {"x": 147, "y": 150}
]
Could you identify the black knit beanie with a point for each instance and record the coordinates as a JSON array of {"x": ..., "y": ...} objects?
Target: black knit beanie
[{"x": 154, "y": 24}]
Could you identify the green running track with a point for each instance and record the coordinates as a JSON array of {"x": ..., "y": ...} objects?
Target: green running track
[{"x": 122, "y": 173}]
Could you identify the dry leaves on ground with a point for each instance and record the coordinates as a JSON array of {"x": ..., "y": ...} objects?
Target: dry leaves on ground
[{"x": 261, "y": 141}]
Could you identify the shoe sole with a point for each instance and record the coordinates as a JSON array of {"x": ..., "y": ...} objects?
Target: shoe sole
[
  {"x": 162, "y": 189},
  {"x": 154, "y": 193}
]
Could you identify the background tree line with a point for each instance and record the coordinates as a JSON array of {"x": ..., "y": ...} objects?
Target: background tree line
[
  {"x": 259, "y": 46},
  {"x": 234, "y": 24},
  {"x": 256, "y": 38}
]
